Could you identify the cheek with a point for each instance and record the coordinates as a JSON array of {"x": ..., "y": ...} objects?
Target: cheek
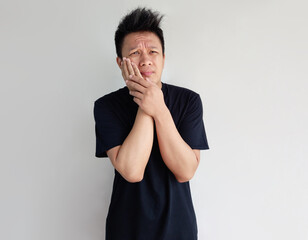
[
  {"x": 134, "y": 60},
  {"x": 160, "y": 64},
  {"x": 159, "y": 61}
]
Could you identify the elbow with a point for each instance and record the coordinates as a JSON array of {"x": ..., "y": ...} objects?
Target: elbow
[
  {"x": 133, "y": 177},
  {"x": 187, "y": 174},
  {"x": 184, "y": 178}
]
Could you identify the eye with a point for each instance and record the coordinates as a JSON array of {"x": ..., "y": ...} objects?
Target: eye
[
  {"x": 134, "y": 53},
  {"x": 153, "y": 51}
]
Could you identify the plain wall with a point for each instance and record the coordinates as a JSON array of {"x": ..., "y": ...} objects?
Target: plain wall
[{"x": 247, "y": 60}]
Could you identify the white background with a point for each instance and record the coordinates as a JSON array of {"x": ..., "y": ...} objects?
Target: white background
[{"x": 247, "y": 60}]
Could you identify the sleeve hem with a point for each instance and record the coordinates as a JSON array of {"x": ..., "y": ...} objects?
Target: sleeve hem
[{"x": 200, "y": 147}]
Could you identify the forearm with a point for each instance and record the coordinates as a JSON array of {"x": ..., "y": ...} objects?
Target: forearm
[
  {"x": 176, "y": 153},
  {"x": 134, "y": 153}
]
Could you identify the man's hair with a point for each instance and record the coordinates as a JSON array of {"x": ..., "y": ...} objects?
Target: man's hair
[{"x": 139, "y": 20}]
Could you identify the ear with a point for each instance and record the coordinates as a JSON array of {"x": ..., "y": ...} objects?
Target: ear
[
  {"x": 164, "y": 57},
  {"x": 119, "y": 60}
]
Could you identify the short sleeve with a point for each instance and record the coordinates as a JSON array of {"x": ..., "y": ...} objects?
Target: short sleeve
[
  {"x": 109, "y": 130},
  {"x": 192, "y": 127}
]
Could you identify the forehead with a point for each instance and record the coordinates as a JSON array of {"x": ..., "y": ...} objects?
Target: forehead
[{"x": 141, "y": 39}]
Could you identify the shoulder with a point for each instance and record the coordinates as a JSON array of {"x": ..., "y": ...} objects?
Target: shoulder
[
  {"x": 182, "y": 101},
  {"x": 111, "y": 98},
  {"x": 118, "y": 103},
  {"x": 112, "y": 102},
  {"x": 183, "y": 93}
]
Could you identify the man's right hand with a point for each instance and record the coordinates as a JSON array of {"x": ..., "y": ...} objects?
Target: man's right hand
[{"x": 128, "y": 70}]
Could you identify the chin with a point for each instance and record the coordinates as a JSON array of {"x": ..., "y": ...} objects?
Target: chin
[{"x": 154, "y": 80}]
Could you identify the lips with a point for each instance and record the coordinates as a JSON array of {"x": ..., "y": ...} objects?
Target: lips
[{"x": 147, "y": 73}]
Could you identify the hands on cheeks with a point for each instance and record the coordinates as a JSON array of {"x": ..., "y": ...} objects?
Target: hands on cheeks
[{"x": 147, "y": 94}]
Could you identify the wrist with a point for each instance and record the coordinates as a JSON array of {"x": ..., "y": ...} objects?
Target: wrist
[
  {"x": 162, "y": 115},
  {"x": 143, "y": 114}
]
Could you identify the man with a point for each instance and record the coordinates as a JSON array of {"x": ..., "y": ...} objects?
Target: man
[{"x": 152, "y": 132}]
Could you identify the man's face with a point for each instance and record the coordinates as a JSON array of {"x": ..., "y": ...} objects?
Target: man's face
[{"x": 145, "y": 50}]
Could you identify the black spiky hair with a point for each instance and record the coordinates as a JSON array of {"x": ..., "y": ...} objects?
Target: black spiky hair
[{"x": 139, "y": 20}]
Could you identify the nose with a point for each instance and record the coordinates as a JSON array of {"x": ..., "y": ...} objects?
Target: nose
[{"x": 145, "y": 60}]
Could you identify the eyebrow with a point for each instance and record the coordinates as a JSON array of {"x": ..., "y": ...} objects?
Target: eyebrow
[{"x": 151, "y": 47}]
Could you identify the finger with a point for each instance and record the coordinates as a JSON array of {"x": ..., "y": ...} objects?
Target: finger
[
  {"x": 137, "y": 100},
  {"x": 135, "y": 86},
  {"x": 129, "y": 67},
  {"x": 136, "y": 94},
  {"x": 140, "y": 81},
  {"x": 149, "y": 81},
  {"x": 136, "y": 70},
  {"x": 124, "y": 69}
]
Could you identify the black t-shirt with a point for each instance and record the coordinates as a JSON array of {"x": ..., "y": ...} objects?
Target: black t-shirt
[{"x": 158, "y": 207}]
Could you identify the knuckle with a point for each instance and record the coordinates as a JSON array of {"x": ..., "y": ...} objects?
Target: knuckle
[{"x": 148, "y": 94}]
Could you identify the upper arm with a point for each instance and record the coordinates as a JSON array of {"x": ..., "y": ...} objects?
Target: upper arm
[
  {"x": 109, "y": 128},
  {"x": 191, "y": 126},
  {"x": 197, "y": 153}
]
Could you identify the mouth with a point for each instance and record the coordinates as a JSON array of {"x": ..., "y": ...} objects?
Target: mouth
[{"x": 146, "y": 74}]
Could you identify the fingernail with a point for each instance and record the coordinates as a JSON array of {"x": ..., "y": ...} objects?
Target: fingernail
[{"x": 130, "y": 76}]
